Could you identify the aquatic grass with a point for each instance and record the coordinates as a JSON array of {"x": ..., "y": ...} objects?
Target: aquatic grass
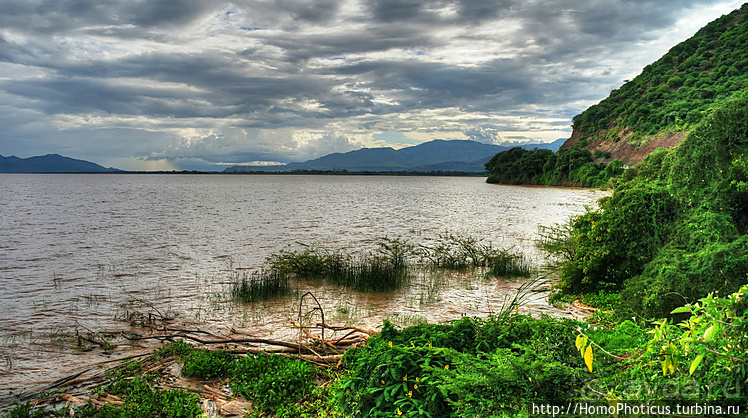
[
  {"x": 506, "y": 264},
  {"x": 386, "y": 269},
  {"x": 389, "y": 267},
  {"x": 260, "y": 285},
  {"x": 457, "y": 252},
  {"x": 311, "y": 262},
  {"x": 371, "y": 273},
  {"x": 431, "y": 288}
]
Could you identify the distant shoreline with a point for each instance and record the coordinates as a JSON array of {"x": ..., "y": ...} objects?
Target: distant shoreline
[{"x": 299, "y": 172}]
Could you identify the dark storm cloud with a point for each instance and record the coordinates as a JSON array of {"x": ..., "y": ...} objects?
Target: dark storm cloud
[
  {"x": 54, "y": 16},
  {"x": 242, "y": 77}
]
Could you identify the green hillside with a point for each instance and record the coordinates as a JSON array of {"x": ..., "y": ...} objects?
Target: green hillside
[
  {"x": 655, "y": 110},
  {"x": 674, "y": 230},
  {"x": 678, "y": 90}
]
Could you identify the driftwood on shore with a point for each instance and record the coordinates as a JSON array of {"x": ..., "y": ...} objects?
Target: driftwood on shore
[{"x": 316, "y": 342}]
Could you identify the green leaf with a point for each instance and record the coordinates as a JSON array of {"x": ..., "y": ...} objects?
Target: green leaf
[
  {"x": 711, "y": 333},
  {"x": 695, "y": 363},
  {"x": 682, "y": 309}
]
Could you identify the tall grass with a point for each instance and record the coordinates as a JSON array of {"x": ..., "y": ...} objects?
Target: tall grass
[
  {"x": 388, "y": 268},
  {"x": 259, "y": 285},
  {"x": 382, "y": 271},
  {"x": 371, "y": 273},
  {"x": 506, "y": 264}
]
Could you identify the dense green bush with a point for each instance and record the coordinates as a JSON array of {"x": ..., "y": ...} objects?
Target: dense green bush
[
  {"x": 470, "y": 367},
  {"x": 275, "y": 384},
  {"x": 703, "y": 359},
  {"x": 616, "y": 242},
  {"x": 675, "y": 228},
  {"x": 206, "y": 364},
  {"x": 572, "y": 166}
]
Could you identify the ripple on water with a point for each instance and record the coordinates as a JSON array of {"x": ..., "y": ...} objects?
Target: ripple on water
[{"x": 175, "y": 242}]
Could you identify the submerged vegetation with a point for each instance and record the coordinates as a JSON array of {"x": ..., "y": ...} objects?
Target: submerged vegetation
[{"x": 388, "y": 268}]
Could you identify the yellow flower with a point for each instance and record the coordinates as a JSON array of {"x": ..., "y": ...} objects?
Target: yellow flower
[
  {"x": 382, "y": 381},
  {"x": 415, "y": 386},
  {"x": 446, "y": 367},
  {"x": 390, "y": 343},
  {"x": 430, "y": 346},
  {"x": 412, "y": 345},
  {"x": 405, "y": 379},
  {"x": 418, "y": 380},
  {"x": 410, "y": 393},
  {"x": 399, "y": 412}
]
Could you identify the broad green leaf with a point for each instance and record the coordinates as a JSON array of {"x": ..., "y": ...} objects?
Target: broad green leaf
[
  {"x": 588, "y": 357},
  {"x": 682, "y": 309},
  {"x": 695, "y": 363},
  {"x": 711, "y": 333}
]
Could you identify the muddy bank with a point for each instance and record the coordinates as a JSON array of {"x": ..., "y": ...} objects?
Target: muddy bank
[{"x": 436, "y": 297}]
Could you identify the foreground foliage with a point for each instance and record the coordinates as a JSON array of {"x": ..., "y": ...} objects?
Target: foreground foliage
[
  {"x": 471, "y": 367},
  {"x": 508, "y": 365}
]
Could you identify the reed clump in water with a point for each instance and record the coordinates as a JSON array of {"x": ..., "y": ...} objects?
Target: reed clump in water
[
  {"x": 371, "y": 273},
  {"x": 455, "y": 252},
  {"x": 506, "y": 264},
  {"x": 380, "y": 271},
  {"x": 391, "y": 266},
  {"x": 260, "y": 285}
]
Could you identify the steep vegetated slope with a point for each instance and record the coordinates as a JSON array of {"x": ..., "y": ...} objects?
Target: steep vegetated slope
[
  {"x": 655, "y": 110},
  {"x": 676, "y": 227},
  {"x": 670, "y": 96}
]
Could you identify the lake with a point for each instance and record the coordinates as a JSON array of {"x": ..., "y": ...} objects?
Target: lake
[{"x": 75, "y": 249}]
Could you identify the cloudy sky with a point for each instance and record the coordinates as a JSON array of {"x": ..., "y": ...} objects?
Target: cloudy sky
[{"x": 191, "y": 84}]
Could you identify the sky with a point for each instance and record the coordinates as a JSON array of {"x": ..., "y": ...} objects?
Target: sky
[{"x": 199, "y": 85}]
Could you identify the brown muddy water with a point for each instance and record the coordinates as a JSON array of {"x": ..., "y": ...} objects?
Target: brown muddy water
[{"x": 78, "y": 253}]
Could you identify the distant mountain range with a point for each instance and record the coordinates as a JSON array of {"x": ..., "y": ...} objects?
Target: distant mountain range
[
  {"x": 437, "y": 155},
  {"x": 50, "y": 163}
]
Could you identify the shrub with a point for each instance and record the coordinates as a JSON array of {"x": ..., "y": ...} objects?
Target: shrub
[
  {"x": 470, "y": 367},
  {"x": 675, "y": 228},
  {"x": 206, "y": 364},
  {"x": 275, "y": 384}
]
